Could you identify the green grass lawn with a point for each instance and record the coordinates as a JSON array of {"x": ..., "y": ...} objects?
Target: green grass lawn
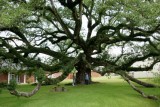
[{"x": 107, "y": 93}]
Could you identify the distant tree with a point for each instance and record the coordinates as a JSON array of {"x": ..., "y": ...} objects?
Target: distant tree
[{"x": 58, "y": 35}]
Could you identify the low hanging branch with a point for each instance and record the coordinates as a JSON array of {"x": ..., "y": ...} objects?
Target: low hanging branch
[
  {"x": 26, "y": 94},
  {"x": 40, "y": 77},
  {"x": 149, "y": 85},
  {"x": 139, "y": 91}
]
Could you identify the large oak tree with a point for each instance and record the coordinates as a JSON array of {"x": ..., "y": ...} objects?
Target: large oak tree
[{"x": 57, "y": 35}]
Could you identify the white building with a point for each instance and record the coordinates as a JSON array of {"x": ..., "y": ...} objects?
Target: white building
[{"x": 146, "y": 74}]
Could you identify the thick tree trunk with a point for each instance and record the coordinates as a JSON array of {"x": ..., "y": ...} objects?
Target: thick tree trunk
[
  {"x": 80, "y": 75},
  {"x": 140, "y": 82}
]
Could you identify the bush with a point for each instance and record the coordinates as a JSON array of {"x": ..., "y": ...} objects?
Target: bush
[
  {"x": 12, "y": 85},
  {"x": 3, "y": 84},
  {"x": 40, "y": 74},
  {"x": 48, "y": 81}
]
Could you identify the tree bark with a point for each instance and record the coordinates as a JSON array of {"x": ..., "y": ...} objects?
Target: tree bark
[
  {"x": 80, "y": 75},
  {"x": 26, "y": 94},
  {"x": 139, "y": 91},
  {"x": 149, "y": 85}
]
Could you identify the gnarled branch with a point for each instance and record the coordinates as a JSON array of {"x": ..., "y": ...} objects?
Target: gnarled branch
[{"x": 139, "y": 91}]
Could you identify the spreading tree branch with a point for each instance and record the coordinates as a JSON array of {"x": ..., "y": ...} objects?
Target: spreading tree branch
[{"x": 139, "y": 91}]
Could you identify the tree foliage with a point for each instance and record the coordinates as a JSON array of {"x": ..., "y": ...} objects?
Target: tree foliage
[{"x": 55, "y": 35}]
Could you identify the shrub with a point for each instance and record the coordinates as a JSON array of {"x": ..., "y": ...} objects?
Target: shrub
[
  {"x": 40, "y": 74},
  {"x": 3, "y": 84},
  {"x": 48, "y": 81},
  {"x": 12, "y": 85}
]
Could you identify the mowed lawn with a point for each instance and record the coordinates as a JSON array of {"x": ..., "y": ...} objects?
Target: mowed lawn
[{"x": 106, "y": 93}]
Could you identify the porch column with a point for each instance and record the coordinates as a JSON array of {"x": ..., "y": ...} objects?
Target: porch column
[
  {"x": 9, "y": 77},
  {"x": 25, "y": 78}
]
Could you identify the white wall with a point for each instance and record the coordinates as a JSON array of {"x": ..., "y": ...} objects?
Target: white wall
[{"x": 143, "y": 74}]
